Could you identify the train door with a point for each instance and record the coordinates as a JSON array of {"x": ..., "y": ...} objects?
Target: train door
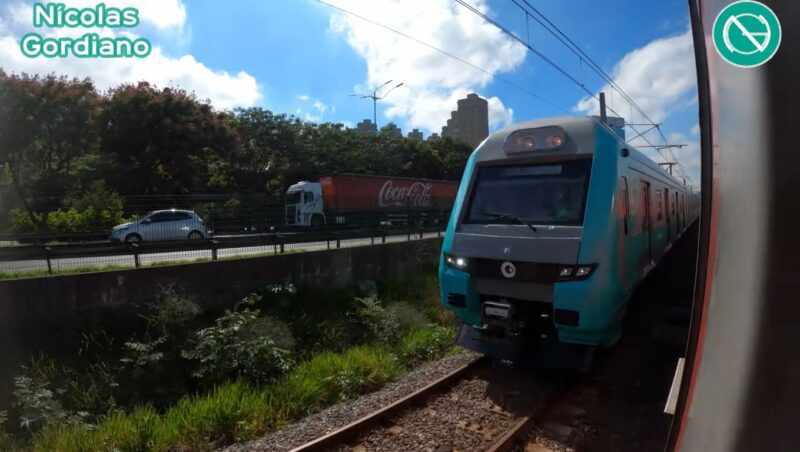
[
  {"x": 668, "y": 214},
  {"x": 647, "y": 222}
]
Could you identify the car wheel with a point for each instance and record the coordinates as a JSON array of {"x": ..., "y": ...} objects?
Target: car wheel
[
  {"x": 194, "y": 235},
  {"x": 133, "y": 238}
]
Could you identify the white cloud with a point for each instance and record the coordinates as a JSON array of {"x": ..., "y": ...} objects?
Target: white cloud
[
  {"x": 661, "y": 78},
  {"x": 499, "y": 115},
  {"x": 320, "y": 109},
  {"x": 223, "y": 89},
  {"x": 689, "y": 156},
  {"x": 432, "y": 81},
  {"x": 696, "y": 129}
]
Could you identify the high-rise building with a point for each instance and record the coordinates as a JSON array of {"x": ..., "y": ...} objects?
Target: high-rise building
[
  {"x": 366, "y": 126},
  {"x": 415, "y": 135},
  {"x": 470, "y": 121}
]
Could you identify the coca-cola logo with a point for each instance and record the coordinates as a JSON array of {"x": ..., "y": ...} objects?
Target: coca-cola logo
[{"x": 417, "y": 194}]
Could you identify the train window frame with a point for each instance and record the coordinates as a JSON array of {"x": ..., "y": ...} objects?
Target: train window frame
[
  {"x": 539, "y": 160},
  {"x": 626, "y": 203},
  {"x": 659, "y": 204}
]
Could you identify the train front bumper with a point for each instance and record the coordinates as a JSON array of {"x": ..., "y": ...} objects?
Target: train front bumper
[{"x": 576, "y": 312}]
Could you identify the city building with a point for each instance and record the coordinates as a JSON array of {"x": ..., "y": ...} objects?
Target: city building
[
  {"x": 469, "y": 122},
  {"x": 391, "y": 129},
  {"x": 415, "y": 135},
  {"x": 366, "y": 126}
]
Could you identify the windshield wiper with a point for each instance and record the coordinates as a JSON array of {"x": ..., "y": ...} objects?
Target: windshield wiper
[{"x": 508, "y": 216}]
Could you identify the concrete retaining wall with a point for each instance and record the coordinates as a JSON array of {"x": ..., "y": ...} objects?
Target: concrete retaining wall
[{"x": 46, "y": 314}]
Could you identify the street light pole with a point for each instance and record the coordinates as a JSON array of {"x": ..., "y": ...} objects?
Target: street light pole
[{"x": 375, "y": 98}]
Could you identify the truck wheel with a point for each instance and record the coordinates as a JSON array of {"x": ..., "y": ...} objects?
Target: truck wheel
[
  {"x": 195, "y": 235},
  {"x": 316, "y": 221}
]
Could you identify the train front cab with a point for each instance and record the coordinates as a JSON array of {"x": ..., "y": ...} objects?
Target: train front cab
[{"x": 538, "y": 259}]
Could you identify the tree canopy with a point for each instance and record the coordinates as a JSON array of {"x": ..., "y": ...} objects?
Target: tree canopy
[{"x": 60, "y": 137}]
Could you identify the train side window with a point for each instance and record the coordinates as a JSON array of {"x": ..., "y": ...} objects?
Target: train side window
[
  {"x": 674, "y": 209},
  {"x": 626, "y": 203},
  {"x": 659, "y": 205}
]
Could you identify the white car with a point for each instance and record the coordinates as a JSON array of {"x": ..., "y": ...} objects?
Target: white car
[{"x": 170, "y": 224}]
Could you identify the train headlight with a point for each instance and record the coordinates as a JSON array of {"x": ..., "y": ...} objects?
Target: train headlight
[
  {"x": 460, "y": 263},
  {"x": 583, "y": 271},
  {"x": 575, "y": 272},
  {"x": 548, "y": 138}
]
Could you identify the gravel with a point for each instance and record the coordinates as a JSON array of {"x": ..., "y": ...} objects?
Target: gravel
[
  {"x": 339, "y": 415},
  {"x": 463, "y": 418}
]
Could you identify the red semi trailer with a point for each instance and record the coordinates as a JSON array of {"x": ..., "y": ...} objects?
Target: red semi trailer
[{"x": 369, "y": 200}]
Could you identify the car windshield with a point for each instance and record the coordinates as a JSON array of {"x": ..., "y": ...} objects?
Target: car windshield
[
  {"x": 294, "y": 197},
  {"x": 545, "y": 194}
]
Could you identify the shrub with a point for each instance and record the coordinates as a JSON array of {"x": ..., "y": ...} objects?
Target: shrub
[
  {"x": 318, "y": 318},
  {"x": 95, "y": 209},
  {"x": 426, "y": 344},
  {"x": 374, "y": 321},
  {"x": 408, "y": 317},
  {"x": 5, "y": 438},
  {"x": 386, "y": 324},
  {"x": 172, "y": 312},
  {"x": 35, "y": 397},
  {"x": 241, "y": 344},
  {"x": 153, "y": 368}
]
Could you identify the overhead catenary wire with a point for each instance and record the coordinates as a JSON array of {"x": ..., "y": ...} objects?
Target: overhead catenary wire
[
  {"x": 441, "y": 51},
  {"x": 552, "y": 28},
  {"x": 464, "y": 61},
  {"x": 555, "y": 30},
  {"x": 542, "y": 56}
]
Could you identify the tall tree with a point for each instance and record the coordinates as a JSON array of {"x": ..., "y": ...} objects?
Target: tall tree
[
  {"x": 46, "y": 128},
  {"x": 164, "y": 142}
]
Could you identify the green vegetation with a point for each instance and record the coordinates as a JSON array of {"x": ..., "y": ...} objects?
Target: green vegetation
[
  {"x": 233, "y": 411},
  {"x": 97, "y": 209},
  {"x": 196, "y": 381},
  {"x": 75, "y": 158}
]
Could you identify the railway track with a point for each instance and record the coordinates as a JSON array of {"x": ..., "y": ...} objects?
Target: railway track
[{"x": 477, "y": 407}]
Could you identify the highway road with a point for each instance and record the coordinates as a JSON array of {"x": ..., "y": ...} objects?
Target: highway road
[{"x": 177, "y": 257}]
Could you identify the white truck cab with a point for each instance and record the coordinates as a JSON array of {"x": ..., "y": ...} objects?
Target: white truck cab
[{"x": 304, "y": 205}]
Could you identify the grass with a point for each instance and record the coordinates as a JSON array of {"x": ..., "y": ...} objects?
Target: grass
[
  {"x": 426, "y": 344},
  {"x": 238, "y": 411},
  {"x": 234, "y": 411},
  {"x": 43, "y": 273}
]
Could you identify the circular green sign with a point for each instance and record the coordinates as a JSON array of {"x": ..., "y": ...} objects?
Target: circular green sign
[{"x": 747, "y": 33}]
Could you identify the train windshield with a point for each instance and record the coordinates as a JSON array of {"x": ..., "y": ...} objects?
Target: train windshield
[
  {"x": 544, "y": 194},
  {"x": 294, "y": 197}
]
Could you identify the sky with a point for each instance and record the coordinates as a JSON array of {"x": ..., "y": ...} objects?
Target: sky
[{"x": 306, "y": 58}]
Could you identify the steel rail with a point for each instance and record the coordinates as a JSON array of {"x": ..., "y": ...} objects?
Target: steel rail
[{"x": 351, "y": 430}]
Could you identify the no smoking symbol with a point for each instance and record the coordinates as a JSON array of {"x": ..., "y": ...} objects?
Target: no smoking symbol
[{"x": 747, "y": 33}]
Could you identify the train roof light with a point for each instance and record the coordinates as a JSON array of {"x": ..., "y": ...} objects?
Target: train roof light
[{"x": 538, "y": 139}]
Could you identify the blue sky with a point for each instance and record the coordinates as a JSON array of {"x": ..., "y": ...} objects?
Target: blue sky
[{"x": 304, "y": 58}]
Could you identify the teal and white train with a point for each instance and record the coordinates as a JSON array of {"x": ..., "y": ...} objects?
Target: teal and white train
[{"x": 554, "y": 224}]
